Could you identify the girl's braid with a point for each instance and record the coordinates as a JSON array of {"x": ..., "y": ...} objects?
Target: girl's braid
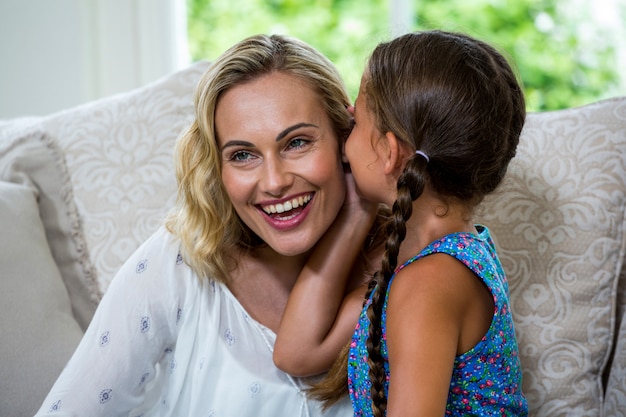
[{"x": 410, "y": 186}]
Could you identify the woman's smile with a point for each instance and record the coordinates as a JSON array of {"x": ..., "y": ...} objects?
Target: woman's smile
[
  {"x": 288, "y": 214},
  {"x": 287, "y": 206}
]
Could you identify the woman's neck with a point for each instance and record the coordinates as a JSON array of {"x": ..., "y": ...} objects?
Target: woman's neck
[{"x": 262, "y": 281}]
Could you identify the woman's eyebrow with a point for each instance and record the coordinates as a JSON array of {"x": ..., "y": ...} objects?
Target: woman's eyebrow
[
  {"x": 237, "y": 143},
  {"x": 280, "y": 136},
  {"x": 290, "y": 129}
]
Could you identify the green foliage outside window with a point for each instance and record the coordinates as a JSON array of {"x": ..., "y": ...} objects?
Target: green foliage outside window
[{"x": 563, "y": 59}]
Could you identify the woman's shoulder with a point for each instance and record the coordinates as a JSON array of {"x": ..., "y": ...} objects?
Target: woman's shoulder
[
  {"x": 156, "y": 268},
  {"x": 161, "y": 242},
  {"x": 158, "y": 254}
]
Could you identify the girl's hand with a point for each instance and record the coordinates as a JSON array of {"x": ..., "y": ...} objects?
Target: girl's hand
[{"x": 356, "y": 210}]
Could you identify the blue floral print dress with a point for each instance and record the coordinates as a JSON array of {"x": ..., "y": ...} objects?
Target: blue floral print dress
[{"x": 487, "y": 379}]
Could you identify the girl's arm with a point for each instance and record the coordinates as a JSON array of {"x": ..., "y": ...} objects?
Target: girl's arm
[{"x": 320, "y": 317}]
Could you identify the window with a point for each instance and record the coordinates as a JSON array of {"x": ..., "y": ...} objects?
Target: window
[{"x": 567, "y": 52}]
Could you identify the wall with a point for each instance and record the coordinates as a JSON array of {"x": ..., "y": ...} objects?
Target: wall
[{"x": 61, "y": 53}]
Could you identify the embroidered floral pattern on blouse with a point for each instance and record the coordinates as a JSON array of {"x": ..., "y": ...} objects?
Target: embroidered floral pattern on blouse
[
  {"x": 55, "y": 407},
  {"x": 144, "y": 325},
  {"x": 105, "y": 395},
  {"x": 104, "y": 339},
  {"x": 141, "y": 266}
]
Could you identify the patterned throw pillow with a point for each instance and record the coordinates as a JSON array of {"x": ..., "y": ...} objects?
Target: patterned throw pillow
[
  {"x": 558, "y": 220},
  {"x": 119, "y": 155}
]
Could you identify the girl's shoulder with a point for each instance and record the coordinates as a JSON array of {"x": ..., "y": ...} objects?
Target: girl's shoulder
[
  {"x": 435, "y": 277},
  {"x": 448, "y": 267},
  {"x": 458, "y": 245}
]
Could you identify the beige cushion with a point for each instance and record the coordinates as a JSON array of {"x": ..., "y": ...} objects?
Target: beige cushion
[
  {"x": 118, "y": 152},
  {"x": 35, "y": 161},
  {"x": 38, "y": 330},
  {"x": 558, "y": 221}
]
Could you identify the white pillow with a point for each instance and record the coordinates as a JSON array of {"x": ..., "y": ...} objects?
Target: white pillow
[
  {"x": 35, "y": 161},
  {"x": 38, "y": 331}
]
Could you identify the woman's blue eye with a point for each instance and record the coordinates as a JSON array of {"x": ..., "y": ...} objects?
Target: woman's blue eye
[
  {"x": 297, "y": 143},
  {"x": 240, "y": 156}
]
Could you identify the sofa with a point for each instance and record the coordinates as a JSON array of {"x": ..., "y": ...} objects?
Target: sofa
[{"x": 82, "y": 188}]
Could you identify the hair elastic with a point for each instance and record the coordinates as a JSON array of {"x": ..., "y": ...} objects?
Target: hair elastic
[{"x": 423, "y": 154}]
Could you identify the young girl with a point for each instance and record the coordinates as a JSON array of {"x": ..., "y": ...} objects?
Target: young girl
[{"x": 437, "y": 120}]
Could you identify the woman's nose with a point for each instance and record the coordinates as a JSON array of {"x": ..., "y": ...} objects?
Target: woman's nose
[{"x": 276, "y": 177}]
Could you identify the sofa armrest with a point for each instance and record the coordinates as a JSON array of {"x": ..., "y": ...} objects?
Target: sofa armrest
[{"x": 615, "y": 396}]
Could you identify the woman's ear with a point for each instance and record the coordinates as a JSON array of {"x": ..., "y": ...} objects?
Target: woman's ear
[{"x": 344, "y": 158}]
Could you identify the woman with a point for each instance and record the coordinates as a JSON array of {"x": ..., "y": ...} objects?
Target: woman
[{"x": 188, "y": 325}]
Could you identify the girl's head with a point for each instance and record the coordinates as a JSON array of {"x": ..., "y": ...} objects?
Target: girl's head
[
  {"x": 450, "y": 96},
  {"x": 205, "y": 218}
]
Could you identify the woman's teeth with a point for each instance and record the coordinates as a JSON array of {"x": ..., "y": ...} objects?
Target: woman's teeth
[{"x": 287, "y": 205}]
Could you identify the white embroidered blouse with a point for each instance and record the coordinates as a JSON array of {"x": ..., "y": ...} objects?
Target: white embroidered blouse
[{"x": 165, "y": 343}]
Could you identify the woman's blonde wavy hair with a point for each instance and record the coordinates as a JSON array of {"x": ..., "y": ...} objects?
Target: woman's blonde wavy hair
[{"x": 204, "y": 218}]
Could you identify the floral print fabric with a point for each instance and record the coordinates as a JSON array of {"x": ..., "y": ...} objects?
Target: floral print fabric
[{"x": 486, "y": 380}]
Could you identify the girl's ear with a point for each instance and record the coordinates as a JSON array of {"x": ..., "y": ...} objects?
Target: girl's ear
[{"x": 394, "y": 155}]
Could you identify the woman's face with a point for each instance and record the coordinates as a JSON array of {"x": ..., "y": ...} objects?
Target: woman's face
[{"x": 281, "y": 163}]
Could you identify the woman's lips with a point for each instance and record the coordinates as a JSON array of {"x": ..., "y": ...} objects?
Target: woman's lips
[
  {"x": 287, "y": 205},
  {"x": 287, "y": 214}
]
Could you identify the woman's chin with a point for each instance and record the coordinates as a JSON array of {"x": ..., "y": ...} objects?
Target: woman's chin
[
  {"x": 291, "y": 250},
  {"x": 291, "y": 247}
]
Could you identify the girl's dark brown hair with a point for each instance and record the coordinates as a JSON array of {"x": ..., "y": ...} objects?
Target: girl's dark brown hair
[{"x": 457, "y": 100}]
